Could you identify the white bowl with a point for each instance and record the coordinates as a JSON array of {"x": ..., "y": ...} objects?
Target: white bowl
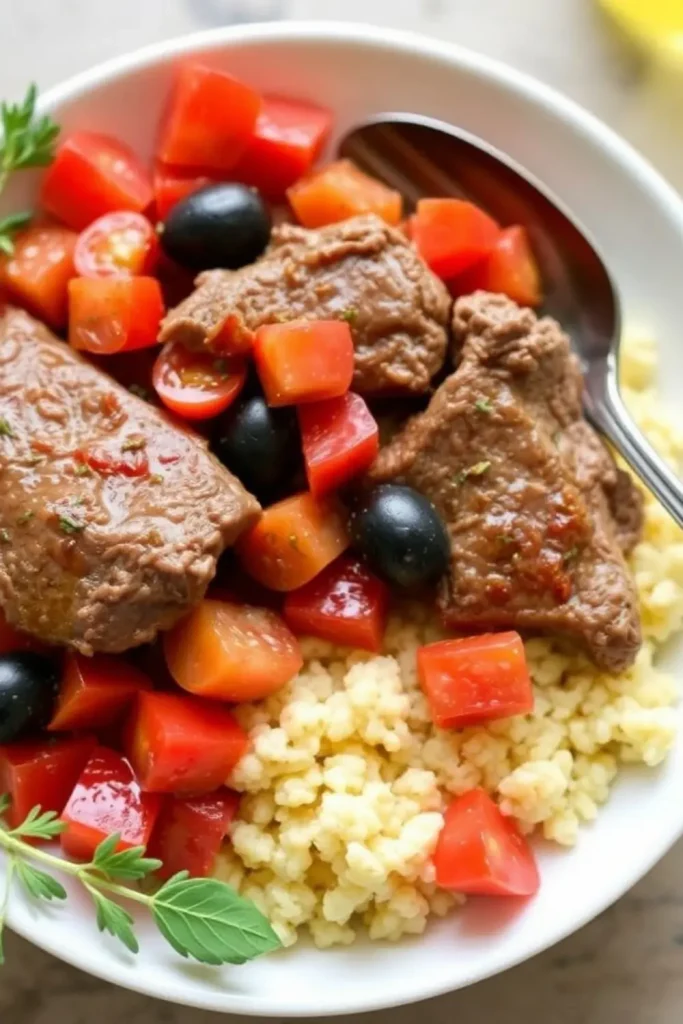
[{"x": 638, "y": 222}]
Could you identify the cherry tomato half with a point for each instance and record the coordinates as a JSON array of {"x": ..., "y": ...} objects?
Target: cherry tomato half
[
  {"x": 120, "y": 244},
  {"x": 195, "y": 385}
]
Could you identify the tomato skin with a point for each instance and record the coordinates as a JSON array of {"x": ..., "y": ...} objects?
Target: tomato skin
[
  {"x": 304, "y": 361},
  {"x": 196, "y": 385},
  {"x": 183, "y": 745},
  {"x": 510, "y": 269},
  {"x": 287, "y": 139},
  {"x": 43, "y": 772},
  {"x": 476, "y": 679},
  {"x": 114, "y": 314},
  {"x": 111, "y": 461},
  {"x": 209, "y": 120},
  {"x": 95, "y": 691},
  {"x": 341, "y": 190},
  {"x": 93, "y": 174},
  {"x": 232, "y": 652},
  {"x": 340, "y": 439},
  {"x": 171, "y": 184},
  {"x": 122, "y": 244},
  {"x": 293, "y": 541},
  {"x": 107, "y": 798},
  {"x": 38, "y": 272},
  {"x": 452, "y": 235},
  {"x": 345, "y": 604},
  {"x": 189, "y": 832},
  {"x": 480, "y": 852}
]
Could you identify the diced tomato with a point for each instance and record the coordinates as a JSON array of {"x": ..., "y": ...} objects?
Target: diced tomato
[
  {"x": 509, "y": 269},
  {"x": 340, "y": 439},
  {"x": 94, "y": 174},
  {"x": 339, "y": 191},
  {"x": 42, "y": 772},
  {"x": 344, "y": 604},
  {"x": 38, "y": 272},
  {"x": 181, "y": 744},
  {"x": 114, "y": 314},
  {"x": 288, "y": 137},
  {"x": 109, "y": 459},
  {"x": 452, "y": 235},
  {"x": 209, "y": 121},
  {"x": 480, "y": 852},
  {"x": 171, "y": 184},
  {"x": 95, "y": 691},
  {"x": 304, "y": 361},
  {"x": 12, "y": 640},
  {"x": 293, "y": 541},
  {"x": 475, "y": 679},
  {"x": 122, "y": 244},
  {"x": 232, "y": 652},
  {"x": 189, "y": 833},
  {"x": 197, "y": 385},
  {"x": 107, "y": 798}
]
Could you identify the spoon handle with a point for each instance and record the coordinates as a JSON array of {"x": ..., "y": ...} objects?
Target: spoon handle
[{"x": 610, "y": 415}]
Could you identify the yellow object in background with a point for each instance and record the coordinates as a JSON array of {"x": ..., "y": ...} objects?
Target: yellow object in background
[{"x": 654, "y": 23}]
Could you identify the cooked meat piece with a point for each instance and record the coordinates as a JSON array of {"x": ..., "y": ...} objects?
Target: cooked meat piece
[
  {"x": 361, "y": 270},
  {"x": 100, "y": 558},
  {"x": 538, "y": 513}
]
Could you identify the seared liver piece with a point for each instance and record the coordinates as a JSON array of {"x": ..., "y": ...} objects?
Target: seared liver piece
[
  {"x": 362, "y": 270},
  {"x": 100, "y": 560},
  {"x": 539, "y": 515}
]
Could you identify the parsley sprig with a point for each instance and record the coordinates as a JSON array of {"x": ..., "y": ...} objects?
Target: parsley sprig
[
  {"x": 200, "y": 918},
  {"x": 27, "y": 141}
]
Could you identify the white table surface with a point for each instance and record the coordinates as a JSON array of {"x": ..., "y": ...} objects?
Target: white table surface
[{"x": 627, "y": 966}]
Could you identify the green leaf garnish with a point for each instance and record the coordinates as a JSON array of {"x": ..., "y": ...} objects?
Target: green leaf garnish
[
  {"x": 39, "y": 884},
  {"x": 114, "y": 919}
]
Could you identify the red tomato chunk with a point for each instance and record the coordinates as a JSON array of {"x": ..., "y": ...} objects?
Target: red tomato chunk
[
  {"x": 480, "y": 852},
  {"x": 344, "y": 604},
  {"x": 232, "y": 652},
  {"x": 341, "y": 190},
  {"x": 107, "y": 798},
  {"x": 209, "y": 121},
  {"x": 110, "y": 314},
  {"x": 194, "y": 384},
  {"x": 509, "y": 269},
  {"x": 42, "y": 772},
  {"x": 38, "y": 272},
  {"x": 95, "y": 691},
  {"x": 340, "y": 439},
  {"x": 304, "y": 361},
  {"x": 181, "y": 744},
  {"x": 452, "y": 235},
  {"x": 171, "y": 184},
  {"x": 189, "y": 833},
  {"x": 475, "y": 679},
  {"x": 94, "y": 174},
  {"x": 122, "y": 244},
  {"x": 288, "y": 137}
]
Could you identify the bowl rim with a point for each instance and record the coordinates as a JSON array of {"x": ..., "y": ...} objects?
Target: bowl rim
[{"x": 409, "y": 43}]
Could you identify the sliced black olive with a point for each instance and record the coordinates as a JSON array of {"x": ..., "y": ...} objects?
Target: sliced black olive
[
  {"x": 226, "y": 225},
  {"x": 259, "y": 445},
  {"x": 28, "y": 687},
  {"x": 401, "y": 536}
]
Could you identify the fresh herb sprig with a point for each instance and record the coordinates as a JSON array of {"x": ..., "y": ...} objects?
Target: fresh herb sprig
[
  {"x": 27, "y": 141},
  {"x": 200, "y": 918}
]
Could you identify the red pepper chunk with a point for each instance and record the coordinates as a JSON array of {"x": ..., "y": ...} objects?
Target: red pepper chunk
[
  {"x": 509, "y": 269},
  {"x": 95, "y": 691},
  {"x": 480, "y": 852},
  {"x": 93, "y": 174},
  {"x": 475, "y": 679},
  {"x": 189, "y": 832},
  {"x": 452, "y": 235},
  {"x": 114, "y": 314},
  {"x": 42, "y": 772},
  {"x": 344, "y": 604},
  {"x": 107, "y": 798},
  {"x": 172, "y": 184},
  {"x": 181, "y": 744},
  {"x": 209, "y": 121},
  {"x": 340, "y": 439},
  {"x": 37, "y": 273},
  {"x": 304, "y": 361}
]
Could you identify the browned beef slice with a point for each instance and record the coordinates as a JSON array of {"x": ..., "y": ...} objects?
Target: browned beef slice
[
  {"x": 360, "y": 269},
  {"x": 537, "y": 511},
  {"x": 94, "y": 560}
]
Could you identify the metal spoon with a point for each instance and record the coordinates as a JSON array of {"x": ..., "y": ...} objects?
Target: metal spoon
[{"x": 420, "y": 157}]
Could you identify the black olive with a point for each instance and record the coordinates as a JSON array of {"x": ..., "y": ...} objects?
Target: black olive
[
  {"x": 259, "y": 445},
  {"x": 401, "y": 535},
  {"x": 28, "y": 687},
  {"x": 225, "y": 225}
]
